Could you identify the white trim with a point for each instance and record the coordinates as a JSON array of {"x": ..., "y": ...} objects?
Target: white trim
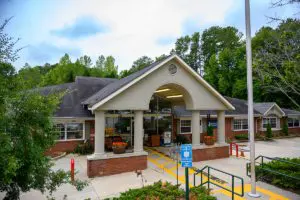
[
  {"x": 66, "y": 135},
  {"x": 197, "y": 76},
  {"x": 185, "y": 126},
  {"x": 273, "y": 129},
  {"x": 241, "y": 125},
  {"x": 275, "y": 104}
]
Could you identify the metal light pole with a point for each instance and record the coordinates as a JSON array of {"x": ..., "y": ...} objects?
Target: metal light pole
[{"x": 250, "y": 100}]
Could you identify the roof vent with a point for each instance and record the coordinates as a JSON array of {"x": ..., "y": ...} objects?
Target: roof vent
[{"x": 172, "y": 69}]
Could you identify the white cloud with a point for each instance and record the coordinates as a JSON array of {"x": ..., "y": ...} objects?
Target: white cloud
[{"x": 135, "y": 25}]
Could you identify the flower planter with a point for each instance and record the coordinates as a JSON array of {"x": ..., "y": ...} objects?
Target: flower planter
[
  {"x": 209, "y": 140},
  {"x": 118, "y": 150},
  {"x": 119, "y": 147}
]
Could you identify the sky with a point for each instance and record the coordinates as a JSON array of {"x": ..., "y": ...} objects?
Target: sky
[{"x": 125, "y": 29}]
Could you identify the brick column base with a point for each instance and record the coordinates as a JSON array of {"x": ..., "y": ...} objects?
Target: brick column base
[
  {"x": 210, "y": 153},
  {"x": 110, "y": 166}
]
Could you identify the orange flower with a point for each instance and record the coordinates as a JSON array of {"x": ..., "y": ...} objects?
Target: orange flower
[{"x": 119, "y": 144}]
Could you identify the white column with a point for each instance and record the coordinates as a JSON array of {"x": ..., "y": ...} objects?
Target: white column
[
  {"x": 221, "y": 127},
  {"x": 138, "y": 131},
  {"x": 99, "y": 132},
  {"x": 196, "y": 127}
]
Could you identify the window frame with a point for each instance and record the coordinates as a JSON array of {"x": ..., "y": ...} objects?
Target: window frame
[
  {"x": 185, "y": 126},
  {"x": 66, "y": 131},
  {"x": 269, "y": 120},
  {"x": 293, "y": 122},
  {"x": 243, "y": 122}
]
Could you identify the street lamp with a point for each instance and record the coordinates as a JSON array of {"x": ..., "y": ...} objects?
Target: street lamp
[{"x": 253, "y": 192}]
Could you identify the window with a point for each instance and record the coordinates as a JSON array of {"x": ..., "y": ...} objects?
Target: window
[
  {"x": 270, "y": 120},
  {"x": 69, "y": 131},
  {"x": 60, "y": 130},
  {"x": 240, "y": 124},
  {"x": 185, "y": 126},
  {"x": 292, "y": 122}
]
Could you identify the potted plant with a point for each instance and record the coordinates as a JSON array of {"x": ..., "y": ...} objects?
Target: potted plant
[
  {"x": 119, "y": 147},
  {"x": 209, "y": 138}
]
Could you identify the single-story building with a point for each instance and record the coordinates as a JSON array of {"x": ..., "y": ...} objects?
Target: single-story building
[{"x": 164, "y": 100}]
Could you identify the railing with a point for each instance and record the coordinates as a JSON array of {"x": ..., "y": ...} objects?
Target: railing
[
  {"x": 236, "y": 146},
  {"x": 209, "y": 181},
  {"x": 263, "y": 168}
]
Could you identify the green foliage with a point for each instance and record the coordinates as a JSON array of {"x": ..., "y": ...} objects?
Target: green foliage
[
  {"x": 289, "y": 169},
  {"x": 241, "y": 136},
  {"x": 210, "y": 130},
  {"x": 189, "y": 49},
  {"x": 165, "y": 191},
  {"x": 285, "y": 128},
  {"x": 25, "y": 132},
  {"x": 181, "y": 139},
  {"x": 137, "y": 65},
  {"x": 276, "y": 60},
  {"x": 269, "y": 133},
  {"x": 84, "y": 148}
]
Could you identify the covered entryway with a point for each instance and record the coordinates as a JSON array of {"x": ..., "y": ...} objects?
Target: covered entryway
[{"x": 170, "y": 79}]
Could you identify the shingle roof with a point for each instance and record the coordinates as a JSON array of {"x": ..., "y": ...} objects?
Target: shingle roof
[
  {"x": 111, "y": 88},
  {"x": 290, "y": 112},
  {"x": 241, "y": 108},
  {"x": 263, "y": 107},
  {"x": 76, "y": 92}
]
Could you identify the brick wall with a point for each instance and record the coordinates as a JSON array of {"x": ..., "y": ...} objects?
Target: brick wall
[
  {"x": 64, "y": 146},
  {"x": 210, "y": 153},
  {"x": 112, "y": 166}
]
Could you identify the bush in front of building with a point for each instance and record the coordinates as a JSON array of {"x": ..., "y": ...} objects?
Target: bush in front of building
[
  {"x": 269, "y": 133},
  {"x": 285, "y": 129},
  {"x": 84, "y": 148},
  {"x": 164, "y": 190},
  {"x": 291, "y": 169},
  {"x": 242, "y": 136},
  {"x": 181, "y": 139}
]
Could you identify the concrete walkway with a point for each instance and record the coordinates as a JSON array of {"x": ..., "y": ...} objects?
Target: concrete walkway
[{"x": 162, "y": 167}]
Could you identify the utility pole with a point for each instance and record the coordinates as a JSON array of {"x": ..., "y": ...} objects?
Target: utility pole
[{"x": 253, "y": 192}]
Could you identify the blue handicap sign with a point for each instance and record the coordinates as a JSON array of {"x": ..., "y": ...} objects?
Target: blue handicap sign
[{"x": 186, "y": 155}]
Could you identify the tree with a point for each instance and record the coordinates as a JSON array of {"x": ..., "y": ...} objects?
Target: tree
[
  {"x": 25, "y": 134},
  {"x": 8, "y": 53},
  {"x": 31, "y": 75},
  {"x": 110, "y": 69},
  {"x": 215, "y": 39},
  {"x": 137, "y": 65},
  {"x": 276, "y": 62},
  {"x": 189, "y": 49},
  {"x": 85, "y": 61}
]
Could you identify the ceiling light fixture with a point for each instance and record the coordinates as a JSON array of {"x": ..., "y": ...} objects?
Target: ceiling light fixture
[
  {"x": 174, "y": 96},
  {"x": 162, "y": 90}
]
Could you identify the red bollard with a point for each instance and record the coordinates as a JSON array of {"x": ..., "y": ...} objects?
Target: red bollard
[
  {"x": 230, "y": 150},
  {"x": 72, "y": 169},
  {"x": 237, "y": 150}
]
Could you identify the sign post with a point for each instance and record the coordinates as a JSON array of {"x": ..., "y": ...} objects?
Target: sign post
[{"x": 186, "y": 161}]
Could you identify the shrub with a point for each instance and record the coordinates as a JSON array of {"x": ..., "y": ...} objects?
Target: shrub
[
  {"x": 290, "y": 169},
  {"x": 210, "y": 130},
  {"x": 165, "y": 191},
  {"x": 84, "y": 148},
  {"x": 285, "y": 129},
  {"x": 241, "y": 136},
  {"x": 181, "y": 139},
  {"x": 269, "y": 133}
]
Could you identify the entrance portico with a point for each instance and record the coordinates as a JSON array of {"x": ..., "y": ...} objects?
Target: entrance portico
[{"x": 134, "y": 93}]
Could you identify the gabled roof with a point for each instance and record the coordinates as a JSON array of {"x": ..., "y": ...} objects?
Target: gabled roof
[
  {"x": 117, "y": 87},
  {"x": 111, "y": 88},
  {"x": 265, "y": 107}
]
